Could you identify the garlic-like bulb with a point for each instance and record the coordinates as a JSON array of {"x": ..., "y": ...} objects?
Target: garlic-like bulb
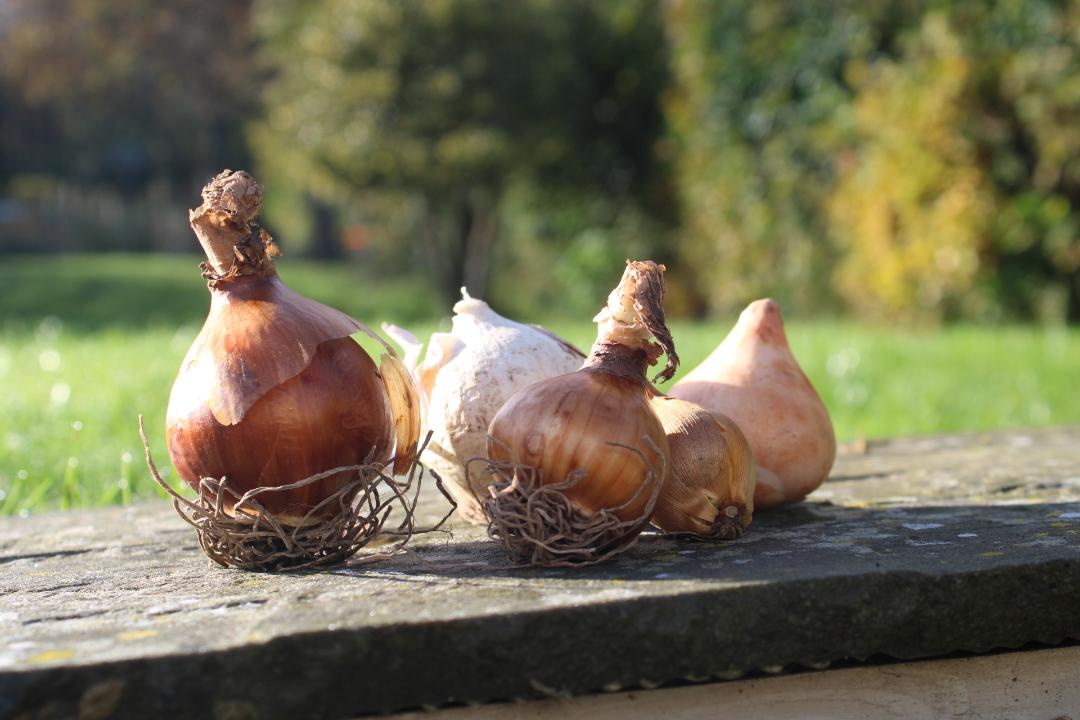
[
  {"x": 466, "y": 376},
  {"x": 754, "y": 379},
  {"x": 710, "y": 487}
]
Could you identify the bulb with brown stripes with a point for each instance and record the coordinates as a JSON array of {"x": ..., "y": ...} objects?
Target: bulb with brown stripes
[{"x": 598, "y": 422}]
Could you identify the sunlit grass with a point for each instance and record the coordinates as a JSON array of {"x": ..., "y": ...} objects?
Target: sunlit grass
[
  {"x": 72, "y": 391},
  {"x": 879, "y": 382},
  {"x": 68, "y": 412}
]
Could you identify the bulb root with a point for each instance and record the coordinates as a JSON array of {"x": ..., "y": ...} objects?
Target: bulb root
[
  {"x": 539, "y": 526},
  {"x": 250, "y": 538},
  {"x": 727, "y": 526}
]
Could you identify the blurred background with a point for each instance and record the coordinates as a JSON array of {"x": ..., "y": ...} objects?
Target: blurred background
[{"x": 904, "y": 177}]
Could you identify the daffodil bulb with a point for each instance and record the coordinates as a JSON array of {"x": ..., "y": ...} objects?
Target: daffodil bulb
[
  {"x": 467, "y": 375},
  {"x": 754, "y": 379}
]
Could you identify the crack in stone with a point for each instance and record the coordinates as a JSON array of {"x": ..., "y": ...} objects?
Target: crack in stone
[
  {"x": 5, "y": 559},
  {"x": 127, "y": 547},
  {"x": 72, "y": 616},
  {"x": 863, "y": 476},
  {"x": 54, "y": 588},
  {"x": 239, "y": 603},
  {"x": 158, "y": 610}
]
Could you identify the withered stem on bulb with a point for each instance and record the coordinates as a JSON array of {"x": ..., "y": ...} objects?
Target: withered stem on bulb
[
  {"x": 224, "y": 224},
  {"x": 634, "y": 316}
]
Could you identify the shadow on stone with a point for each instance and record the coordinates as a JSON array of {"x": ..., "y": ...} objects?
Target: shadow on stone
[{"x": 810, "y": 540}]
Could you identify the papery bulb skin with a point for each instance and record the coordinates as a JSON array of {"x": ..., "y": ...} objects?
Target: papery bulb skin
[
  {"x": 274, "y": 389},
  {"x": 576, "y": 422},
  {"x": 334, "y": 413},
  {"x": 753, "y": 378},
  {"x": 468, "y": 374},
  {"x": 709, "y": 491},
  {"x": 577, "y": 461}
]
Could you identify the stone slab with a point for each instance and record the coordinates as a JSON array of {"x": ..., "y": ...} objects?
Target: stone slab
[{"x": 914, "y": 548}]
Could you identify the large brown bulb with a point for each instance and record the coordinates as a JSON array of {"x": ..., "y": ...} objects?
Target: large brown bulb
[
  {"x": 334, "y": 412},
  {"x": 586, "y": 420}
]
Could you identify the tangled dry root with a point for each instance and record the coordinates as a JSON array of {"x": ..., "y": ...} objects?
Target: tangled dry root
[
  {"x": 250, "y": 538},
  {"x": 728, "y": 524},
  {"x": 538, "y": 525}
]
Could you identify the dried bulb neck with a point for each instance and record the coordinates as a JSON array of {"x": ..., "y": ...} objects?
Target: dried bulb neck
[
  {"x": 633, "y": 318},
  {"x": 618, "y": 359},
  {"x": 224, "y": 224}
]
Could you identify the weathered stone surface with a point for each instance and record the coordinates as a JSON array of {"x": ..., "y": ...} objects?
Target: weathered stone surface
[{"x": 914, "y": 548}]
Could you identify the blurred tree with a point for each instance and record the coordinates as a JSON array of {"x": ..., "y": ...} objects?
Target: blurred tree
[
  {"x": 446, "y": 104},
  {"x": 961, "y": 192},
  {"x": 1026, "y": 80},
  {"x": 758, "y": 111},
  {"x": 912, "y": 211},
  {"x": 915, "y": 158},
  {"x": 122, "y": 93}
]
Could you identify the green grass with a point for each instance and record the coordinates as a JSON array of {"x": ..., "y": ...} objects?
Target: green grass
[
  {"x": 105, "y": 336},
  {"x": 94, "y": 292}
]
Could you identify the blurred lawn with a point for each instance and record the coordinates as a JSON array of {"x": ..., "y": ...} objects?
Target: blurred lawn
[
  {"x": 95, "y": 292},
  {"x": 88, "y": 343}
]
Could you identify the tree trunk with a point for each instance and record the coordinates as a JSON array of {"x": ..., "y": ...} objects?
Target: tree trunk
[
  {"x": 459, "y": 250},
  {"x": 325, "y": 241},
  {"x": 479, "y": 243}
]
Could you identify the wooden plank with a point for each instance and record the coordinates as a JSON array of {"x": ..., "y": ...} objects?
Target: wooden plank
[{"x": 1040, "y": 685}]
